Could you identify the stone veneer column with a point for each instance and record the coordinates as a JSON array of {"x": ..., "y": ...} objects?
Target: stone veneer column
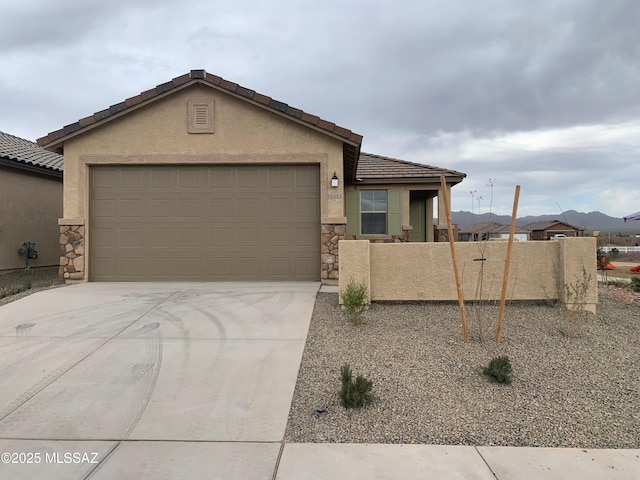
[
  {"x": 72, "y": 251},
  {"x": 331, "y": 235}
]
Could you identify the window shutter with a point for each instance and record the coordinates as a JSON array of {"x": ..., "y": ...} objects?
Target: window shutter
[
  {"x": 394, "y": 222},
  {"x": 353, "y": 212}
]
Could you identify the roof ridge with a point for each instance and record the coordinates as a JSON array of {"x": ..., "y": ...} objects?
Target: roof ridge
[{"x": 201, "y": 76}]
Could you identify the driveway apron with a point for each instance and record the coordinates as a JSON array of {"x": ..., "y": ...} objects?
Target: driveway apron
[{"x": 150, "y": 380}]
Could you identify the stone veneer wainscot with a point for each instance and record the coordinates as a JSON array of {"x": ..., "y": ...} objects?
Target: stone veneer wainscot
[{"x": 71, "y": 252}]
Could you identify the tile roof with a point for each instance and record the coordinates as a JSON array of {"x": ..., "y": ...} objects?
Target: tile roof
[
  {"x": 547, "y": 224},
  {"x": 18, "y": 149},
  {"x": 492, "y": 227},
  {"x": 378, "y": 168},
  {"x": 200, "y": 76}
]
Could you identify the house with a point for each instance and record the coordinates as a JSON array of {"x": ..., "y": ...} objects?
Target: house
[
  {"x": 553, "y": 229},
  {"x": 31, "y": 189},
  {"x": 200, "y": 178},
  {"x": 492, "y": 231}
]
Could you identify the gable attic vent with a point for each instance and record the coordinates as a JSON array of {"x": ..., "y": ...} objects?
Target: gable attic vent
[{"x": 200, "y": 116}]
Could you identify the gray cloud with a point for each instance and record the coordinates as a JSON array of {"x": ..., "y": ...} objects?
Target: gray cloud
[
  {"x": 422, "y": 81},
  {"x": 48, "y": 25}
]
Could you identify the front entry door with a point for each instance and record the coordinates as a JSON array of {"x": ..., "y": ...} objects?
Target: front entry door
[{"x": 418, "y": 216}]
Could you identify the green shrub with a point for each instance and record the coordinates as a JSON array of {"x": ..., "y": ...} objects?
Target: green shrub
[
  {"x": 355, "y": 299},
  {"x": 499, "y": 369},
  {"x": 635, "y": 284},
  {"x": 354, "y": 394}
]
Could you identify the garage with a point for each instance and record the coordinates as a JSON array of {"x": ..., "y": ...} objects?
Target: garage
[
  {"x": 201, "y": 179},
  {"x": 204, "y": 223}
]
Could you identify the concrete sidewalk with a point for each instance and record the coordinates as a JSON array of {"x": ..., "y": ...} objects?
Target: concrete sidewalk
[{"x": 439, "y": 462}]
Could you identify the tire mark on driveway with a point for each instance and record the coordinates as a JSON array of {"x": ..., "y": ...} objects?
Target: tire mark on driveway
[{"x": 74, "y": 361}]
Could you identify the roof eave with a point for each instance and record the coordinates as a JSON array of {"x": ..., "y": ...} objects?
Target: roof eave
[
  {"x": 450, "y": 179},
  {"x": 59, "y": 142},
  {"x": 286, "y": 116},
  {"x": 78, "y": 129},
  {"x": 30, "y": 167}
]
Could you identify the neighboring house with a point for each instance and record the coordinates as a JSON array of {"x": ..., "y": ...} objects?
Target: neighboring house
[
  {"x": 202, "y": 179},
  {"x": 30, "y": 202},
  {"x": 492, "y": 231},
  {"x": 553, "y": 229}
]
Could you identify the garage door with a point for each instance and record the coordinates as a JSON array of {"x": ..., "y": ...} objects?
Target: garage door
[{"x": 205, "y": 223}]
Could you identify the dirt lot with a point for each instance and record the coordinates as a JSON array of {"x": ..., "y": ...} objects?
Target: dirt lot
[
  {"x": 623, "y": 262},
  {"x": 633, "y": 257}
]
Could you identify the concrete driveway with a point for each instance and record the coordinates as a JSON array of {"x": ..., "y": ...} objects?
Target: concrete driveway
[{"x": 176, "y": 380}]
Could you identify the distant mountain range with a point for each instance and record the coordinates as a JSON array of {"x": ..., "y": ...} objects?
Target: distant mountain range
[{"x": 589, "y": 221}]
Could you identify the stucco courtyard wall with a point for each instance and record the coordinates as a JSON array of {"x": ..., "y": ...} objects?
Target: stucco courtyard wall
[{"x": 424, "y": 271}]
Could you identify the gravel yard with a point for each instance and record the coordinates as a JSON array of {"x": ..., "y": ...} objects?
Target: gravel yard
[
  {"x": 581, "y": 390},
  {"x": 42, "y": 278}
]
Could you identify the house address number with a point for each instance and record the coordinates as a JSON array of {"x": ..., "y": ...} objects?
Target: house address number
[{"x": 336, "y": 197}]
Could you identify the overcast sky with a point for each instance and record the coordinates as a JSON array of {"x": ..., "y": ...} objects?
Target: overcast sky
[{"x": 544, "y": 94}]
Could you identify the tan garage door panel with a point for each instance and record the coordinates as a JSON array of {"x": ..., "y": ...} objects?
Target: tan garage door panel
[{"x": 205, "y": 223}]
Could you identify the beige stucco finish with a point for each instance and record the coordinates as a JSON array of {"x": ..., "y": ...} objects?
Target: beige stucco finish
[
  {"x": 157, "y": 134},
  {"x": 424, "y": 271},
  {"x": 29, "y": 211},
  {"x": 354, "y": 264},
  {"x": 577, "y": 268}
]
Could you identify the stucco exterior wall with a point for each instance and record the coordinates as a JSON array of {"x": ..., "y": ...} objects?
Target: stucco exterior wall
[
  {"x": 29, "y": 211},
  {"x": 424, "y": 271},
  {"x": 157, "y": 134}
]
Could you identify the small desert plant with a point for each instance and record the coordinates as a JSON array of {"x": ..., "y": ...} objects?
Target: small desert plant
[
  {"x": 499, "y": 369},
  {"x": 354, "y": 394},
  {"x": 635, "y": 284},
  {"x": 9, "y": 291},
  {"x": 355, "y": 299},
  {"x": 26, "y": 285},
  {"x": 574, "y": 315},
  {"x": 27, "y": 282}
]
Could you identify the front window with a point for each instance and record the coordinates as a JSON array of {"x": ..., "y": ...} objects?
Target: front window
[{"x": 373, "y": 212}]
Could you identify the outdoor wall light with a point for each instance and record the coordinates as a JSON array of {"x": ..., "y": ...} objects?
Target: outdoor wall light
[{"x": 334, "y": 181}]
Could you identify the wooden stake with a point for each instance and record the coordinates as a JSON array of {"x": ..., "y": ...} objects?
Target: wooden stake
[
  {"x": 445, "y": 198},
  {"x": 505, "y": 279}
]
